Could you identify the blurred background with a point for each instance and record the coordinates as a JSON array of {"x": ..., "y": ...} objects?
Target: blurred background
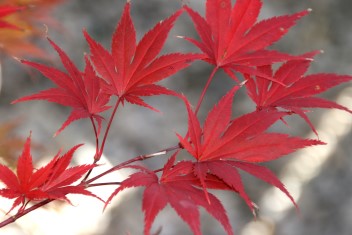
[{"x": 319, "y": 178}]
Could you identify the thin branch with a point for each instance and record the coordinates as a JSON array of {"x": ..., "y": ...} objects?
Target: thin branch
[
  {"x": 99, "y": 152},
  {"x": 24, "y": 212},
  {"x": 205, "y": 89},
  {"x": 87, "y": 183},
  {"x": 108, "y": 129},
  {"x": 135, "y": 159},
  {"x": 103, "y": 184},
  {"x": 96, "y": 148},
  {"x": 96, "y": 137}
]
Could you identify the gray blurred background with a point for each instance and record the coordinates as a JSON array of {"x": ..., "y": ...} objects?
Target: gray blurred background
[{"x": 319, "y": 178}]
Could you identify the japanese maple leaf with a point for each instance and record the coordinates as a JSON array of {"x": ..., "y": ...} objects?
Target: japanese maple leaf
[
  {"x": 5, "y": 11},
  {"x": 52, "y": 181},
  {"x": 299, "y": 94},
  {"x": 175, "y": 187},
  {"x": 232, "y": 39},
  {"x": 79, "y": 90},
  {"x": 130, "y": 69},
  {"x": 223, "y": 145}
]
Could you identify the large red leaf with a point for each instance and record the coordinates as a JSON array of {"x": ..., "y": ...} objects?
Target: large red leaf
[
  {"x": 131, "y": 67},
  {"x": 222, "y": 142},
  {"x": 178, "y": 188},
  {"x": 233, "y": 39}
]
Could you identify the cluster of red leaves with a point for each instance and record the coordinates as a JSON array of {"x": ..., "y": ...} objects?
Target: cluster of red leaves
[
  {"x": 52, "y": 181},
  {"x": 129, "y": 71},
  {"x": 231, "y": 39},
  {"x": 220, "y": 148}
]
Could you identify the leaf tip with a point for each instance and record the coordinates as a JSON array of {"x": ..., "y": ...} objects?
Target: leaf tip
[
  {"x": 17, "y": 59},
  {"x": 56, "y": 133},
  {"x": 46, "y": 30},
  {"x": 242, "y": 83},
  {"x": 254, "y": 209},
  {"x": 84, "y": 31}
]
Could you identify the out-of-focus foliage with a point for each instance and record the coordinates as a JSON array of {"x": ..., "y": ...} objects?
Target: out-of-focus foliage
[
  {"x": 10, "y": 144},
  {"x": 31, "y": 21}
]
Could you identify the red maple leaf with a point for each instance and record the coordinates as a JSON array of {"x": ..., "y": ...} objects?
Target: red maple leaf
[
  {"x": 80, "y": 90},
  {"x": 130, "y": 69},
  {"x": 223, "y": 145},
  {"x": 5, "y": 11},
  {"x": 178, "y": 188},
  {"x": 52, "y": 181},
  {"x": 232, "y": 39},
  {"x": 298, "y": 96}
]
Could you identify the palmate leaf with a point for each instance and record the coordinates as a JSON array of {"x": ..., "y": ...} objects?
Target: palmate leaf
[
  {"x": 299, "y": 94},
  {"x": 52, "y": 181},
  {"x": 221, "y": 148},
  {"x": 130, "y": 69},
  {"x": 79, "y": 90},
  {"x": 232, "y": 39},
  {"x": 178, "y": 187}
]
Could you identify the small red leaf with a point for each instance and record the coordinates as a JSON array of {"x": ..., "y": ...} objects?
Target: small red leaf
[
  {"x": 299, "y": 94},
  {"x": 131, "y": 69},
  {"x": 52, "y": 181},
  {"x": 80, "y": 90}
]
